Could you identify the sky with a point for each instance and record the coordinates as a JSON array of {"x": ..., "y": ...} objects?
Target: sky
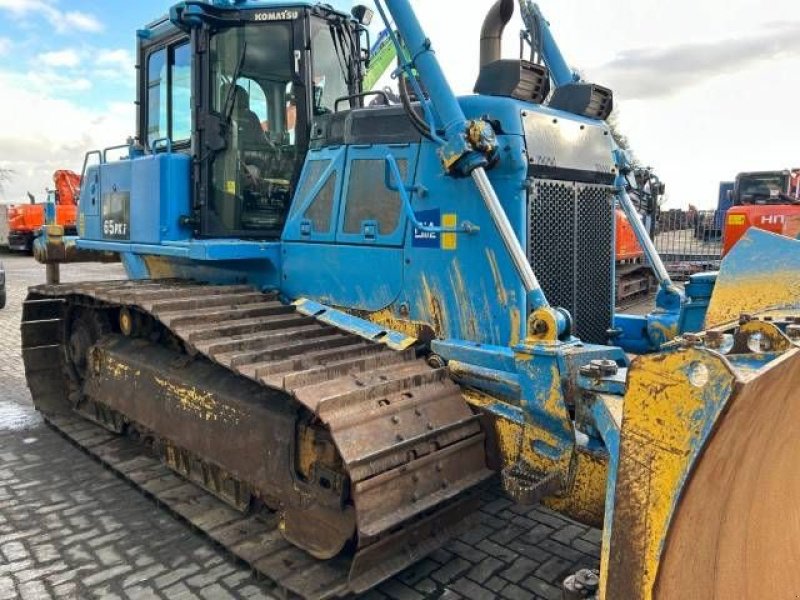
[{"x": 704, "y": 88}]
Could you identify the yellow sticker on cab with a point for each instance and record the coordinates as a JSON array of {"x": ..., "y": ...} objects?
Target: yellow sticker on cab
[
  {"x": 737, "y": 220},
  {"x": 449, "y": 240}
]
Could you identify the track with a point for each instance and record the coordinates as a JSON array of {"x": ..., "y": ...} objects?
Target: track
[
  {"x": 229, "y": 387},
  {"x": 254, "y": 539},
  {"x": 634, "y": 279}
]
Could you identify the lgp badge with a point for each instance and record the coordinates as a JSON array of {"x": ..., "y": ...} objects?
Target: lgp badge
[{"x": 427, "y": 239}]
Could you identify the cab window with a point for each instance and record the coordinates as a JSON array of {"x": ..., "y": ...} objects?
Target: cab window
[
  {"x": 169, "y": 94},
  {"x": 156, "y": 96},
  {"x": 181, "y": 90},
  {"x": 330, "y": 67},
  {"x": 258, "y": 100}
]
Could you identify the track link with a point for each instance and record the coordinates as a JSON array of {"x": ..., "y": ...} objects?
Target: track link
[
  {"x": 634, "y": 279},
  {"x": 411, "y": 449},
  {"x": 254, "y": 539}
]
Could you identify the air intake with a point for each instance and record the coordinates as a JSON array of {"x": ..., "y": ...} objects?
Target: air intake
[
  {"x": 585, "y": 99},
  {"x": 518, "y": 79},
  {"x": 571, "y": 251}
]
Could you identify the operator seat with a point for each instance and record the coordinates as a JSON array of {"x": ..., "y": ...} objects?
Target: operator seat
[
  {"x": 253, "y": 142},
  {"x": 250, "y": 132},
  {"x": 260, "y": 210}
]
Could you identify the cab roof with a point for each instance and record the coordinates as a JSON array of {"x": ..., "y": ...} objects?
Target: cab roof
[{"x": 158, "y": 26}]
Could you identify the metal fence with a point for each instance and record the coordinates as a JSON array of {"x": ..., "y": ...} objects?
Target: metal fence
[{"x": 689, "y": 241}]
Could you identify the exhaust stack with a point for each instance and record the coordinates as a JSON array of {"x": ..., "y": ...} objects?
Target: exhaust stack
[{"x": 492, "y": 32}]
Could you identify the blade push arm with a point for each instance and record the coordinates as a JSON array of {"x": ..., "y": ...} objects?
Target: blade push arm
[{"x": 467, "y": 147}]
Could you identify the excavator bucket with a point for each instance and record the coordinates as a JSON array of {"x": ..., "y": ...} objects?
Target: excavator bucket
[
  {"x": 706, "y": 487},
  {"x": 761, "y": 273}
]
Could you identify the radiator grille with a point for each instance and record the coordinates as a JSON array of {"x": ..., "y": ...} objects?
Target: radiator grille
[{"x": 571, "y": 251}]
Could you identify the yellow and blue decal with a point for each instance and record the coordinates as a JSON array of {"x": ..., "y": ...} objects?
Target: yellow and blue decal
[{"x": 432, "y": 239}]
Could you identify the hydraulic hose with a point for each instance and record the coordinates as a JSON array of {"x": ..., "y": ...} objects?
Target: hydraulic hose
[{"x": 417, "y": 121}]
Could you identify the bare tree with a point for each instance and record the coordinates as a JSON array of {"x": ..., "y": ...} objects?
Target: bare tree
[
  {"x": 5, "y": 176},
  {"x": 613, "y": 124},
  {"x": 619, "y": 137}
]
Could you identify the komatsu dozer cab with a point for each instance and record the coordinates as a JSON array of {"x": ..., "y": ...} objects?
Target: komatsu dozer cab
[{"x": 342, "y": 320}]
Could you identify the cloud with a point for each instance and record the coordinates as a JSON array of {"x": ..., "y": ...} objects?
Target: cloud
[
  {"x": 51, "y": 82},
  {"x": 81, "y": 21},
  {"x": 646, "y": 73},
  {"x": 46, "y": 82},
  {"x": 5, "y": 45},
  {"x": 60, "y": 58},
  {"x": 42, "y": 130},
  {"x": 72, "y": 69},
  {"x": 62, "y": 21},
  {"x": 119, "y": 58},
  {"x": 16, "y": 6},
  {"x": 115, "y": 65}
]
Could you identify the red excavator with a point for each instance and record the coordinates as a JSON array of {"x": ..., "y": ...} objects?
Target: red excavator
[
  {"x": 768, "y": 200},
  {"x": 26, "y": 220}
]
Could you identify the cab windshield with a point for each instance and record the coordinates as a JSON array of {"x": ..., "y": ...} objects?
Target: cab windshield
[
  {"x": 332, "y": 64},
  {"x": 252, "y": 74},
  {"x": 262, "y": 97},
  {"x": 762, "y": 189}
]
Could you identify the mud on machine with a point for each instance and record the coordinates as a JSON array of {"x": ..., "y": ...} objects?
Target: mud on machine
[{"x": 348, "y": 318}]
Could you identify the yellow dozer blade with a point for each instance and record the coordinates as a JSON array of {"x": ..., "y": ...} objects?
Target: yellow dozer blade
[
  {"x": 761, "y": 273},
  {"x": 706, "y": 486},
  {"x": 736, "y": 533}
]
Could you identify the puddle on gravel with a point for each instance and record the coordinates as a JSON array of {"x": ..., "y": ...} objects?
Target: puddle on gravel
[{"x": 16, "y": 417}]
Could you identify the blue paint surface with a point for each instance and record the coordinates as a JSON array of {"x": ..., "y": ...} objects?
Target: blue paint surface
[
  {"x": 465, "y": 295},
  {"x": 158, "y": 189}
]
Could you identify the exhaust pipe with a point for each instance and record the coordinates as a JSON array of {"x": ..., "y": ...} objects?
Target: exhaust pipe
[{"x": 492, "y": 32}]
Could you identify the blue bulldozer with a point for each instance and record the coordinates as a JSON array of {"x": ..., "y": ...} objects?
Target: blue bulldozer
[{"x": 342, "y": 319}]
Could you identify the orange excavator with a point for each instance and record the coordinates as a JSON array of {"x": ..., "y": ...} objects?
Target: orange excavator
[
  {"x": 26, "y": 220},
  {"x": 768, "y": 200},
  {"x": 634, "y": 277}
]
